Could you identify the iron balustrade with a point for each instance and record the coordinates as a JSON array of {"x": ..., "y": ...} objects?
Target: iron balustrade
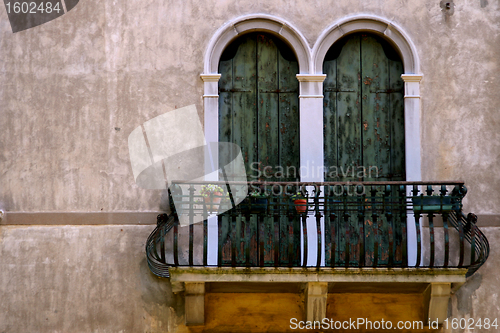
[{"x": 362, "y": 224}]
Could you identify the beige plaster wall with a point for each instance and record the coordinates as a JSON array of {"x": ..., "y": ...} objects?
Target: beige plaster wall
[
  {"x": 72, "y": 90},
  {"x": 81, "y": 279},
  {"x": 479, "y": 297},
  {"x": 96, "y": 279}
]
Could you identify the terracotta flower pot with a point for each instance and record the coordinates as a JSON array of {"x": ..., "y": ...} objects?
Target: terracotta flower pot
[
  {"x": 300, "y": 205},
  {"x": 213, "y": 202}
]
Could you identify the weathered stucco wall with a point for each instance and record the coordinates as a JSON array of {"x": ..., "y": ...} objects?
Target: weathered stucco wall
[
  {"x": 81, "y": 279},
  {"x": 96, "y": 279},
  {"x": 479, "y": 297},
  {"x": 74, "y": 88}
]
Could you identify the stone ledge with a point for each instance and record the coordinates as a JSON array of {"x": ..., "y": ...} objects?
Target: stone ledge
[
  {"x": 282, "y": 274},
  {"x": 79, "y": 218}
]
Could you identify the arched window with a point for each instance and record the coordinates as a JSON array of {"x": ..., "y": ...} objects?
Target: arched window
[
  {"x": 259, "y": 107},
  {"x": 364, "y": 134},
  {"x": 259, "y": 111}
]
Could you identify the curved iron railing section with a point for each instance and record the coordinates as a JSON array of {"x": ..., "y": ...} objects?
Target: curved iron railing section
[
  {"x": 362, "y": 224},
  {"x": 156, "y": 258},
  {"x": 480, "y": 248}
]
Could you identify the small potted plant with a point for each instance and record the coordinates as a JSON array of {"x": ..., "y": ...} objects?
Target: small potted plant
[
  {"x": 256, "y": 202},
  {"x": 212, "y": 195},
  {"x": 432, "y": 203},
  {"x": 300, "y": 202}
]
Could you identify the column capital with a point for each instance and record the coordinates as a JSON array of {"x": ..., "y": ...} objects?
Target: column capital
[
  {"x": 211, "y": 83},
  {"x": 210, "y": 77},
  {"x": 412, "y": 85},
  {"x": 311, "y": 85},
  {"x": 412, "y": 77},
  {"x": 311, "y": 77}
]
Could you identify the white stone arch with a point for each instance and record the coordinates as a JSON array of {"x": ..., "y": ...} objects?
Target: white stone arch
[
  {"x": 369, "y": 23},
  {"x": 222, "y": 38},
  {"x": 256, "y": 22},
  {"x": 412, "y": 76}
]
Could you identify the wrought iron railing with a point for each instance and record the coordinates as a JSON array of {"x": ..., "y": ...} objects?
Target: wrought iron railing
[{"x": 361, "y": 224}]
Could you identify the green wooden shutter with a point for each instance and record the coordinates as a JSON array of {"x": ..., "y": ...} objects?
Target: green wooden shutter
[
  {"x": 363, "y": 111},
  {"x": 363, "y": 140},
  {"x": 258, "y": 105},
  {"x": 259, "y": 111}
]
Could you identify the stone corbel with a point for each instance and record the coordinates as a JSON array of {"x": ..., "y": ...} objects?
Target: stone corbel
[
  {"x": 194, "y": 303},
  {"x": 316, "y": 294},
  {"x": 438, "y": 296}
]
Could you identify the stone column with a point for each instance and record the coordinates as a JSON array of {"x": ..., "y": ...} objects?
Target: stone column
[{"x": 311, "y": 126}]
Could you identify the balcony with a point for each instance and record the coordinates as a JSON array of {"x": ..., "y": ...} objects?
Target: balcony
[{"x": 359, "y": 232}]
